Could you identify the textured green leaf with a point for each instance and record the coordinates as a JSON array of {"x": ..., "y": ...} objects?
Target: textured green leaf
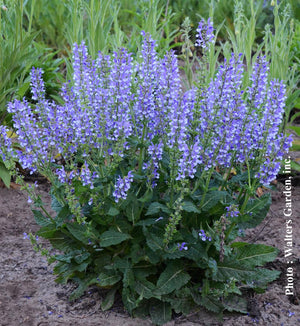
[
  {"x": 144, "y": 288},
  {"x": 255, "y": 254},
  {"x": 229, "y": 269},
  {"x": 110, "y": 238},
  {"x": 5, "y": 175},
  {"x": 63, "y": 216},
  {"x": 235, "y": 303},
  {"x": 213, "y": 199},
  {"x": 156, "y": 207},
  {"x": 109, "y": 277},
  {"x": 172, "y": 278},
  {"x": 154, "y": 242},
  {"x": 211, "y": 303},
  {"x": 160, "y": 312},
  {"x": 47, "y": 232},
  {"x": 190, "y": 207},
  {"x": 109, "y": 300},
  {"x": 132, "y": 211},
  {"x": 113, "y": 211},
  {"x": 55, "y": 204},
  {"x": 82, "y": 286},
  {"x": 78, "y": 231},
  {"x": 259, "y": 208},
  {"x": 41, "y": 219}
]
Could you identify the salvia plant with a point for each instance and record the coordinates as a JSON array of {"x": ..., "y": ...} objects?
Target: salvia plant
[{"x": 151, "y": 186}]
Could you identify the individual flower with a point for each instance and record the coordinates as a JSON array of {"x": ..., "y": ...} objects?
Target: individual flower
[{"x": 182, "y": 246}]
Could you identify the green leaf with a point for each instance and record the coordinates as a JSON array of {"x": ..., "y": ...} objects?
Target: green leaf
[
  {"x": 47, "y": 232},
  {"x": 109, "y": 300},
  {"x": 108, "y": 278},
  {"x": 23, "y": 89},
  {"x": 295, "y": 166},
  {"x": 5, "y": 175},
  {"x": 145, "y": 288},
  {"x": 55, "y": 204},
  {"x": 254, "y": 254},
  {"x": 212, "y": 199},
  {"x": 259, "y": 208},
  {"x": 154, "y": 242},
  {"x": 172, "y": 278},
  {"x": 229, "y": 269},
  {"x": 63, "y": 216},
  {"x": 41, "y": 219},
  {"x": 146, "y": 197},
  {"x": 295, "y": 128},
  {"x": 235, "y": 303},
  {"x": 113, "y": 211},
  {"x": 156, "y": 207},
  {"x": 132, "y": 211},
  {"x": 160, "y": 312},
  {"x": 110, "y": 238},
  {"x": 82, "y": 286},
  {"x": 78, "y": 231},
  {"x": 211, "y": 303},
  {"x": 190, "y": 207}
]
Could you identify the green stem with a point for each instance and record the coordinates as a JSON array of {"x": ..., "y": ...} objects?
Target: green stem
[
  {"x": 206, "y": 187},
  {"x": 141, "y": 157}
]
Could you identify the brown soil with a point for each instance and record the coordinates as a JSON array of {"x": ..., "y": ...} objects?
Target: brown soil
[{"x": 29, "y": 295}]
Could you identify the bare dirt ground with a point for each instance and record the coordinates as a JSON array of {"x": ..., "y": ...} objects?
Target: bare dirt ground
[{"x": 29, "y": 295}]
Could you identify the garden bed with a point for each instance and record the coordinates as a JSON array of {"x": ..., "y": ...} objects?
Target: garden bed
[{"x": 30, "y": 296}]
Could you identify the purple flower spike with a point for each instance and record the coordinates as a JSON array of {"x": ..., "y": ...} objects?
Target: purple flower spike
[
  {"x": 122, "y": 186},
  {"x": 205, "y": 34}
]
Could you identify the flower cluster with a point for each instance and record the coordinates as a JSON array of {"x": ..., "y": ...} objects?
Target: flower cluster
[
  {"x": 232, "y": 211},
  {"x": 205, "y": 33},
  {"x": 122, "y": 186},
  {"x": 114, "y": 98},
  {"x": 203, "y": 236}
]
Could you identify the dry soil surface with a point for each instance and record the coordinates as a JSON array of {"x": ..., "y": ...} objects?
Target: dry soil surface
[{"x": 29, "y": 295}]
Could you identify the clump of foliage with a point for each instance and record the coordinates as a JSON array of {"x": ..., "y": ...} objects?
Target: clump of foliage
[{"x": 153, "y": 185}]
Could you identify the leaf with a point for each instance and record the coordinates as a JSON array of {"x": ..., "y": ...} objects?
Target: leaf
[
  {"x": 156, "y": 207},
  {"x": 108, "y": 278},
  {"x": 55, "y": 204},
  {"x": 172, "y": 278},
  {"x": 63, "y": 216},
  {"x": 295, "y": 145},
  {"x": 110, "y": 238},
  {"x": 255, "y": 254},
  {"x": 82, "y": 286},
  {"x": 235, "y": 303},
  {"x": 209, "y": 302},
  {"x": 295, "y": 166},
  {"x": 146, "y": 197},
  {"x": 190, "y": 207},
  {"x": 229, "y": 269},
  {"x": 160, "y": 312},
  {"x": 295, "y": 128},
  {"x": 41, "y": 219},
  {"x": 78, "y": 231},
  {"x": 212, "y": 199},
  {"x": 154, "y": 242},
  {"x": 113, "y": 211},
  {"x": 109, "y": 300},
  {"x": 258, "y": 208},
  {"x": 5, "y": 175},
  {"x": 145, "y": 288},
  {"x": 132, "y": 211}
]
